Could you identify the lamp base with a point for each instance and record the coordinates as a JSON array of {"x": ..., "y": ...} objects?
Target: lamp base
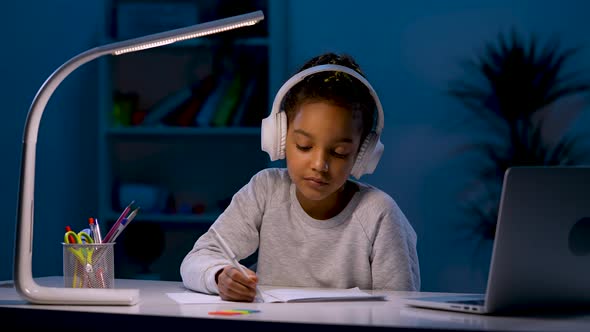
[{"x": 37, "y": 294}]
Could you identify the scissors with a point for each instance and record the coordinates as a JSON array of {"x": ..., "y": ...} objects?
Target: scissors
[
  {"x": 83, "y": 255},
  {"x": 82, "y": 237}
]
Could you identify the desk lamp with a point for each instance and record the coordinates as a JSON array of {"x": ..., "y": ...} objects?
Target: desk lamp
[{"x": 25, "y": 285}]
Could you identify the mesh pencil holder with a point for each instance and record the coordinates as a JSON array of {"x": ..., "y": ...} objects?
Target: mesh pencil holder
[{"x": 89, "y": 265}]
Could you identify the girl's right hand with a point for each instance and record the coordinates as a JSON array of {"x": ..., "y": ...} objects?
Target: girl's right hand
[{"x": 234, "y": 286}]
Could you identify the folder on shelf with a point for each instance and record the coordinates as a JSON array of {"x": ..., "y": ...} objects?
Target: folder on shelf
[
  {"x": 184, "y": 116},
  {"x": 243, "y": 102},
  {"x": 205, "y": 115},
  {"x": 228, "y": 103},
  {"x": 167, "y": 105},
  {"x": 256, "y": 106},
  {"x": 181, "y": 107}
]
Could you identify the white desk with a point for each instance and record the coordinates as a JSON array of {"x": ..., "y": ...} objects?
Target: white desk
[{"x": 156, "y": 311}]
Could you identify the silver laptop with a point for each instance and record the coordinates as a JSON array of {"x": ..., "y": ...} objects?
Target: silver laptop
[{"x": 541, "y": 253}]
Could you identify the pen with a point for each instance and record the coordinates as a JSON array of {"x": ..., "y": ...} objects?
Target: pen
[
  {"x": 95, "y": 230},
  {"x": 124, "y": 224},
  {"x": 229, "y": 254},
  {"x": 119, "y": 229},
  {"x": 98, "y": 234},
  {"x": 132, "y": 215},
  {"x": 107, "y": 237}
]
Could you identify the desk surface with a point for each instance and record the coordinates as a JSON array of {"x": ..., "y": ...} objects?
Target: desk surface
[{"x": 157, "y": 310}]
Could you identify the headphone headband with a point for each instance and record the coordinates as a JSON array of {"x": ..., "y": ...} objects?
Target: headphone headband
[
  {"x": 300, "y": 76},
  {"x": 274, "y": 127}
]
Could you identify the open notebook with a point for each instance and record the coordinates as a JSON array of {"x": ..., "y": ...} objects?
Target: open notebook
[{"x": 285, "y": 295}]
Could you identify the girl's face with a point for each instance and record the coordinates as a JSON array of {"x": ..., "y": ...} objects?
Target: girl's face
[{"x": 321, "y": 147}]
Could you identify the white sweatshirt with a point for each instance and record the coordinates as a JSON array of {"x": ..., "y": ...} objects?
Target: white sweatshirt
[{"x": 370, "y": 244}]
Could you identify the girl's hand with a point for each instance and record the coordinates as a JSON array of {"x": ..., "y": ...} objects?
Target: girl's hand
[{"x": 234, "y": 286}]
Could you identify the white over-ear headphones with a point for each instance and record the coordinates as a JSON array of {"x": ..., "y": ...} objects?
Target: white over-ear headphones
[{"x": 274, "y": 127}]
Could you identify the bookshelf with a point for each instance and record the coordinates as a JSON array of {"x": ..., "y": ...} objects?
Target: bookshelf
[{"x": 158, "y": 148}]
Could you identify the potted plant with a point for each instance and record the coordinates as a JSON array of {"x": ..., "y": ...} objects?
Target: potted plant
[{"x": 519, "y": 87}]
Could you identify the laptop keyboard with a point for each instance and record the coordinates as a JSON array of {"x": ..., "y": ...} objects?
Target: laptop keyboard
[{"x": 473, "y": 302}]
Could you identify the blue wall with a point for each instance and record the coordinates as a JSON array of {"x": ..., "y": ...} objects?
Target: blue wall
[
  {"x": 38, "y": 36},
  {"x": 408, "y": 49}
]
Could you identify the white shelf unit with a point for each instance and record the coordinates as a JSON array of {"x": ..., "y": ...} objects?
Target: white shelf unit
[{"x": 198, "y": 166}]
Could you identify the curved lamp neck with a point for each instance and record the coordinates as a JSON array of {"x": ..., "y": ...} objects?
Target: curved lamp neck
[{"x": 23, "y": 274}]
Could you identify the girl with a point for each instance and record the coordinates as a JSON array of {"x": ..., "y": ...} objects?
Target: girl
[{"x": 313, "y": 225}]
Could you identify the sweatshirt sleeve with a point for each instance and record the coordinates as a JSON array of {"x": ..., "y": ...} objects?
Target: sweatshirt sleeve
[
  {"x": 394, "y": 258},
  {"x": 239, "y": 225}
]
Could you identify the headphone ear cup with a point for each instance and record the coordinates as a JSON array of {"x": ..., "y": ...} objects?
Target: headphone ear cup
[
  {"x": 368, "y": 156},
  {"x": 273, "y": 133},
  {"x": 274, "y": 127},
  {"x": 282, "y": 133},
  {"x": 372, "y": 160}
]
